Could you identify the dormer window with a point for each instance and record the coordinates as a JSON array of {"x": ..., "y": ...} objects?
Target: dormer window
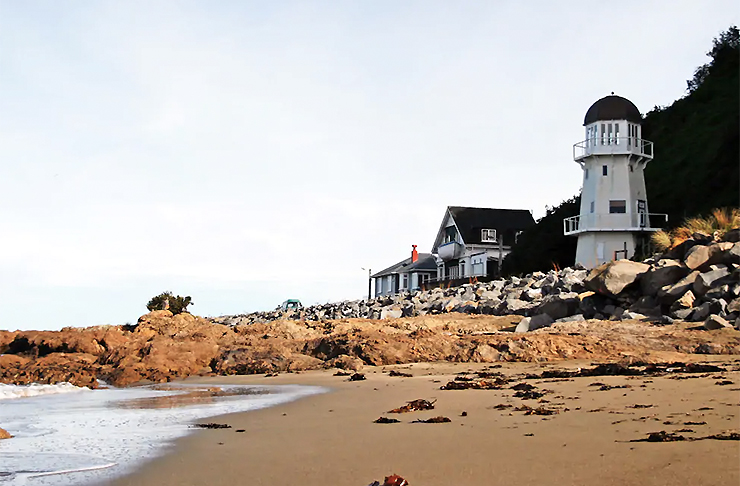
[{"x": 488, "y": 235}]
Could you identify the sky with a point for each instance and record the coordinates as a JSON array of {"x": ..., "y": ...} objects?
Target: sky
[{"x": 246, "y": 152}]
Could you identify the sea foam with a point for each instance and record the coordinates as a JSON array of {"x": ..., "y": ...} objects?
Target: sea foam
[
  {"x": 8, "y": 392},
  {"x": 92, "y": 436}
]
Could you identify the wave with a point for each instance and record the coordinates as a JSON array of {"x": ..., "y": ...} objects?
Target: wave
[{"x": 23, "y": 391}]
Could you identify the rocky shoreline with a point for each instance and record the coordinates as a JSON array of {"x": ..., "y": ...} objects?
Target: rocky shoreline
[
  {"x": 699, "y": 279},
  {"x": 622, "y": 310}
]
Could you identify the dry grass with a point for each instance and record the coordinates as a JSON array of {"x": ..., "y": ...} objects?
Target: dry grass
[
  {"x": 661, "y": 240},
  {"x": 715, "y": 225}
]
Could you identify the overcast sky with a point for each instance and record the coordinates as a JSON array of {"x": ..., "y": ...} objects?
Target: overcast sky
[{"x": 245, "y": 152}]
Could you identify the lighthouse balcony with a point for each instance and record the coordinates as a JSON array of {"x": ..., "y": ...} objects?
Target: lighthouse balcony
[
  {"x": 613, "y": 146},
  {"x": 633, "y": 222}
]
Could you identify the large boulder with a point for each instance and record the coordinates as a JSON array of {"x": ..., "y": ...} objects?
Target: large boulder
[
  {"x": 664, "y": 272},
  {"x": 667, "y": 295},
  {"x": 558, "y": 306},
  {"x": 707, "y": 280},
  {"x": 611, "y": 278},
  {"x": 700, "y": 256},
  {"x": 716, "y": 322}
]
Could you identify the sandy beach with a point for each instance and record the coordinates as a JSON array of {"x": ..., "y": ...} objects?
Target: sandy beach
[{"x": 492, "y": 437}]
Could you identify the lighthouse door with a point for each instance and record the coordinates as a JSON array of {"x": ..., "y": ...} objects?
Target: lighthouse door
[{"x": 642, "y": 213}]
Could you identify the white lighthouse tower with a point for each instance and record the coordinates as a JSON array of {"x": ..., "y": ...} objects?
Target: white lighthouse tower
[{"x": 614, "y": 216}]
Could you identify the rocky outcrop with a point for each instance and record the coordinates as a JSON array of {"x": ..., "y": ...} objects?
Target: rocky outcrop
[{"x": 618, "y": 310}]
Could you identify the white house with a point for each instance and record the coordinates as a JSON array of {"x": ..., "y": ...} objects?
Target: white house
[
  {"x": 406, "y": 275},
  {"x": 614, "y": 217},
  {"x": 472, "y": 242}
]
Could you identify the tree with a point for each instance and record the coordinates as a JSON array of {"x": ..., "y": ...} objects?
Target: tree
[
  {"x": 168, "y": 301},
  {"x": 723, "y": 47}
]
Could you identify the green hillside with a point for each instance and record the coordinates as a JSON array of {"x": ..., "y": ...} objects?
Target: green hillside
[{"x": 696, "y": 166}]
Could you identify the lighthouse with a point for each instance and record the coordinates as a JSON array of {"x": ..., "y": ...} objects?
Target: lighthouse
[{"x": 614, "y": 220}]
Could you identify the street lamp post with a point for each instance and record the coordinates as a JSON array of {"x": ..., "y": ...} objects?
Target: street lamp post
[{"x": 369, "y": 283}]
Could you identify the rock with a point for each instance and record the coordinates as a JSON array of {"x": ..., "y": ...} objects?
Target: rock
[
  {"x": 680, "y": 251},
  {"x": 574, "y": 318},
  {"x": 685, "y": 302},
  {"x": 733, "y": 256},
  {"x": 515, "y": 306},
  {"x": 632, "y": 316},
  {"x": 532, "y": 323},
  {"x": 734, "y": 305},
  {"x": 716, "y": 322},
  {"x": 667, "y": 295},
  {"x": 701, "y": 256},
  {"x": 707, "y": 280},
  {"x": 664, "y": 272},
  {"x": 733, "y": 236},
  {"x": 611, "y": 278},
  {"x": 646, "y": 305},
  {"x": 707, "y": 308},
  {"x": 532, "y": 294},
  {"x": 664, "y": 321},
  {"x": 392, "y": 313},
  {"x": 4, "y": 434},
  {"x": 558, "y": 306},
  {"x": 681, "y": 314},
  {"x": 345, "y": 362}
]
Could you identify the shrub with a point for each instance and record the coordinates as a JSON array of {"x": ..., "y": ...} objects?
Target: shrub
[
  {"x": 715, "y": 225},
  {"x": 167, "y": 301}
]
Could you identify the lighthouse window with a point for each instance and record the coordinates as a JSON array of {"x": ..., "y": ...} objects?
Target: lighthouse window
[
  {"x": 616, "y": 133},
  {"x": 611, "y": 138},
  {"x": 618, "y": 206},
  {"x": 603, "y": 134},
  {"x": 592, "y": 206},
  {"x": 603, "y": 170},
  {"x": 586, "y": 174}
]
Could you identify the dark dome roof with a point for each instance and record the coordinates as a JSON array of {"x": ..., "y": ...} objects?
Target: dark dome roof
[{"x": 613, "y": 108}]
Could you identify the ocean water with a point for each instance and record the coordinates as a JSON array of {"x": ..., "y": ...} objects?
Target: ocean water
[{"x": 66, "y": 435}]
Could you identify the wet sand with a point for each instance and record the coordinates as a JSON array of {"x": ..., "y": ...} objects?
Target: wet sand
[{"x": 330, "y": 439}]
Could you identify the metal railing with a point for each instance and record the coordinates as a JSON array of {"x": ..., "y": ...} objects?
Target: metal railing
[
  {"x": 614, "y": 222},
  {"x": 613, "y": 145}
]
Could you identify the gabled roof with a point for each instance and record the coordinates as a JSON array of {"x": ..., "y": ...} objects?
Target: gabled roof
[
  {"x": 470, "y": 222},
  {"x": 426, "y": 262}
]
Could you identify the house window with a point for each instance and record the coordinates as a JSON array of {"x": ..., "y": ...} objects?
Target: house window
[
  {"x": 450, "y": 234},
  {"x": 592, "y": 206},
  {"x": 488, "y": 235},
  {"x": 618, "y": 206},
  {"x": 603, "y": 170},
  {"x": 405, "y": 281},
  {"x": 462, "y": 269}
]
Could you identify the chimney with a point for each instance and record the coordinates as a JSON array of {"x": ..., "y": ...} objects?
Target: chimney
[{"x": 414, "y": 254}]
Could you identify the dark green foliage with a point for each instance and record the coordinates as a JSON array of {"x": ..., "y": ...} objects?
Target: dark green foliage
[
  {"x": 697, "y": 152},
  {"x": 696, "y": 166},
  {"x": 167, "y": 301},
  {"x": 543, "y": 246}
]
